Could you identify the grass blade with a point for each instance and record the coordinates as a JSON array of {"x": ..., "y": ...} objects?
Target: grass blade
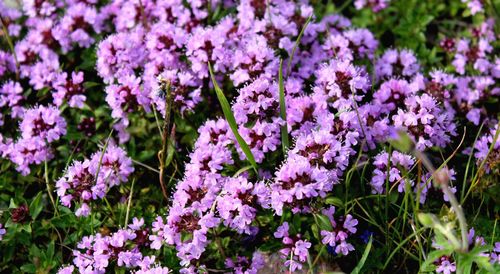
[
  {"x": 361, "y": 263},
  {"x": 226, "y": 108},
  {"x": 297, "y": 44},
  {"x": 284, "y": 128}
]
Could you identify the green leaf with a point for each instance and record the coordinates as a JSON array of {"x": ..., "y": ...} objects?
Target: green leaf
[
  {"x": 334, "y": 201},
  {"x": 170, "y": 152},
  {"x": 26, "y": 227},
  {"x": 226, "y": 108},
  {"x": 288, "y": 69},
  {"x": 36, "y": 206},
  {"x": 284, "y": 128},
  {"x": 361, "y": 262},
  {"x": 89, "y": 84},
  {"x": 50, "y": 250},
  {"x": 28, "y": 268},
  {"x": 403, "y": 143},
  {"x": 426, "y": 219},
  {"x": 323, "y": 222}
]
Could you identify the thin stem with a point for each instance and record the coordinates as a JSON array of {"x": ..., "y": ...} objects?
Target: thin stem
[
  {"x": 317, "y": 259},
  {"x": 146, "y": 166},
  {"x": 453, "y": 200},
  {"x": 11, "y": 46},
  {"x": 129, "y": 203},
  {"x": 49, "y": 189},
  {"x": 162, "y": 155},
  {"x": 219, "y": 244}
]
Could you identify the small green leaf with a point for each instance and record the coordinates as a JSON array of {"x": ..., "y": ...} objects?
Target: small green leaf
[
  {"x": 36, "y": 206},
  {"x": 226, "y": 108},
  {"x": 323, "y": 222},
  {"x": 297, "y": 42},
  {"x": 28, "y": 268},
  {"x": 284, "y": 128},
  {"x": 403, "y": 143},
  {"x": 50, "y": 250},
  {"x": 88, "y": 85},
  {"x": 334, "y": 201},
  {"x": 426, "y": 219},
  {"x": 361, "y": 262}
]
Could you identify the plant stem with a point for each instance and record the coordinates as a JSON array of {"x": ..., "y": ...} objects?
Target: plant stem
[
  {"x": 162, "y": 155},
  {"x": 11, "y": 46},
  {"x": 49, "y": 189},
  {"x": 453, "y": 200},
  {"x": 129, "y": 203}
]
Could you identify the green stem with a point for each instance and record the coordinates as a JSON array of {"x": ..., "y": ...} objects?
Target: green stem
[
  {"x": 11, "y": 46},
  {"x": 49, "y": 189},
  {"x": 129, "y": 203}
]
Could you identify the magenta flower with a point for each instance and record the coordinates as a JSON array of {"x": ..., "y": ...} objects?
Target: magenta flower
[
  {"x": 69, "y": 90},
  {"x": 44, "y": 122}
]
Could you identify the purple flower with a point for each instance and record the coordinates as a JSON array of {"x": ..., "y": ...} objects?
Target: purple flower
[
  {"x": 445, "y": 265},
  {"x": 374, "y": 5},
  {"x": 2, "y": 232},
  {"x": 474, "y": 6},
  {"x": 242, "y": 265},
  {"x": 126, "y": 97},
  {"x": 70, "y": 90},
  {"x": 425, "y": 121},
  {"x": 44, "y": 122},
  {"x": 394, "y": 63},
  {"x": 399, "y": 164},
  {"x": 340, "y": 83},
  {"x": 282, "y": 231},
  {"x": 342, "y": 228},
  {"x": 96, "y": 252},
  {"x": 482, "y": 147},
  {"x": 11, "y": 96},
  {"x": 301, "y": 249},
  {"x": 253, "y": 59},
  {"x": 120, "y": 54},
  {"x": 80, "y": 184},
  {"x": 77, "y": 26},
  {"x": 362, "y": 43},
  {"x": 7, "y": 63}
]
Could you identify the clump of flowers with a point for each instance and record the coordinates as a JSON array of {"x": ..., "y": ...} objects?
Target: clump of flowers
[
  {"x": 374, "y": 5},
  {"x": 90, "y": 179},
  {"x": 425, "y": 121},
  {"x": 482, "y": 153},
  {"x": 242, "y": 264},
  {"x": 394, "y": 63},
  {"x": 98, "y": 252},
  {"x": 391, "y": 168},
  {"x": 44, "y": 122},
  {"x": 343, "y": 227},
  {"x": 295, "y": 250}
]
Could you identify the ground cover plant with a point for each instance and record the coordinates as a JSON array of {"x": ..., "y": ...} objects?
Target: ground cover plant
[{"x": 254, "y": 136}]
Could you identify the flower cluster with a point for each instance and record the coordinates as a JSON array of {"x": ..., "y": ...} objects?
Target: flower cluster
[
  {"x": 295, "y": 250},
  {"x": 40, "y": 127},
  {"x": 374, "y": 5},
  {"x": 96, "y": 253},
  {"x": 90, "y": 179},
  {"x": 482, "y": 150},
  {"x": 241, "y": 265},
  {"x": 343, "y": 227},
  {"x": 391, "y": 168}
]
